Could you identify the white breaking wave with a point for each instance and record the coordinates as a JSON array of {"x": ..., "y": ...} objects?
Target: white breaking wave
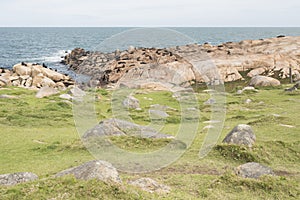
[{"x": 56, "y": 57}]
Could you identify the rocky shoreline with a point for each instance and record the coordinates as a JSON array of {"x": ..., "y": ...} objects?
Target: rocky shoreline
[
  {"x": 31, "y": 75},
  {"x": 235, "y": 61},
  {"x": 160, "y": 69}
]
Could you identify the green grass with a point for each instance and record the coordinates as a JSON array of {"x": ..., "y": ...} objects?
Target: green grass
[{"x": 39, "y": 136}]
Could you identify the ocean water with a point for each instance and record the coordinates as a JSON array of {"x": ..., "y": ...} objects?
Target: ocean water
[{"x": 49, "y": 45}]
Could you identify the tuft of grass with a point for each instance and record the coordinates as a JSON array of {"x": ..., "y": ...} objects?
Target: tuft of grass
[
  {"x": 265, "y": 187},
  {"x": 236, "y": 153},
  {"x": 70, "y": 188}
]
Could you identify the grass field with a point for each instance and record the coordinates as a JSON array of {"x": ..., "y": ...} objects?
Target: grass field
[{"x": 39, "y": 136}]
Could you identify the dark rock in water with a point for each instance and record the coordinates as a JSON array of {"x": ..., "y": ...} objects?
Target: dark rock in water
[
  {"x": 241, "y": 135},
  {"x": 13, "y": 179},
  {"x": 96, "y": 169},
  {"x": 280, "y": 36},
  {"x": 117, "y": 127},
  {"x": 253, "y": 170}
]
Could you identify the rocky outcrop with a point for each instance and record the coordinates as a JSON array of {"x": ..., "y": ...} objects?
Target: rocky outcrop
[
  {"x": 183, "y": 65},
  {"x": 117, "y": 127},
  {"x": 264, "y": 81},
  {"x": 253, "y": 170},
  {"x": 96, "y": 169},
  {"x": 31, "y": 75},
  {"x": 15, "y": 178},
  {"x": 149, "y": 185},
  {"x": 241, "y": 135}
]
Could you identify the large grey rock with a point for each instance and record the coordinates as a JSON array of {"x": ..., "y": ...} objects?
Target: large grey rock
[
  {"x": 131, "y": 102},
  {"x": 253, "y": 170},
  {"x": 15, "y": 178},
  {"x": 96, "y": 169},
  {"x": 149, "y": 185},
  {"x": 241, "y": 135},
  {"x": 117, "y": 127},
  {"x": 45, "y": 92},
  {"x": 263, "y": 81}
]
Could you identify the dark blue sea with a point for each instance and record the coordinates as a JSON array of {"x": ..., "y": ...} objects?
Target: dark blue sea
[{"x": 49, "y": 45}]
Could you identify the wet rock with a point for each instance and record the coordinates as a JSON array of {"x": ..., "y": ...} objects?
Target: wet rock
[
  {"x": 241, "y": 135},
  {"x": 96, "y": 169},
  {"x": 16, "y": 178},
  {"x": 253, "y": 170},
  {"x": 149, "y": 185}
]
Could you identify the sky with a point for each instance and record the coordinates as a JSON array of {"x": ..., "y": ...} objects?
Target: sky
[{"x": 149, "y": 13}]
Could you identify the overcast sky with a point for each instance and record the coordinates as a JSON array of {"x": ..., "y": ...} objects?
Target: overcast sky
[{"x": 149, "y": 13}]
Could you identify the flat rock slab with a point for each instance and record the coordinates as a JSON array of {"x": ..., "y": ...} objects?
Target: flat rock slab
[
  {"x": 264, "y": 81},
  {"x": 241, "y": 135},
  {"x": 253, "y": 170},
  {"x": 117, "y": 127},
  {"x": 5, "y": 96},
  {"x": 150, "y": 185},
  {"x": 15, "y": 178},
  {"x": 45, "y": 92},
  {"x": 96, "y": 169}
]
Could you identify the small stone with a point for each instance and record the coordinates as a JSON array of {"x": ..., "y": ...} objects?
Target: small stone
[
  {"x": 210, "y": 102},
  {"x": 66, "y": 96},
  {"x": 149, "y": 185},
  {"x": 131, "y": 102},
  {"x": 158, "y": 114},
  {"x": 239, "y": 92},
  {"x": 248, "y": 101},
  {"x": 253, "y": 170}
]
